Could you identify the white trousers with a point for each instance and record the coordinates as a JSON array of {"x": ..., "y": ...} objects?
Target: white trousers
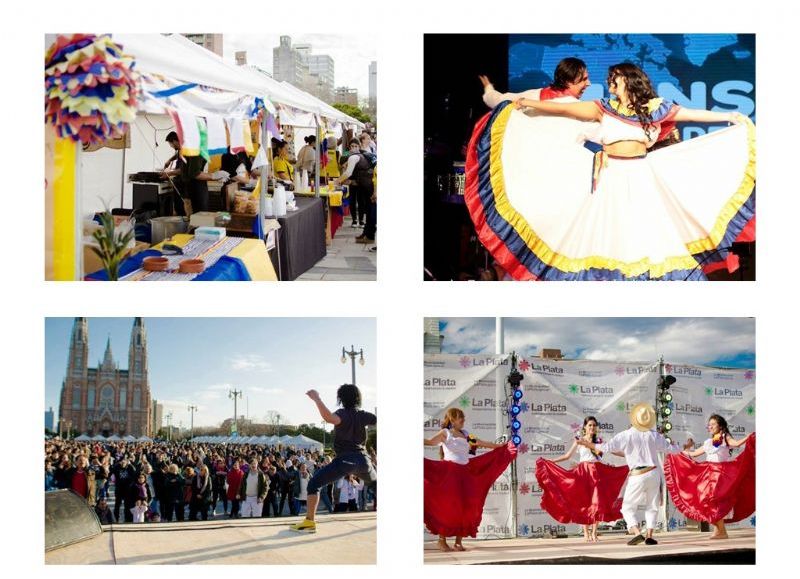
[
  {"x": 642, "y": 490},
  {"x": 251, "y": 507}
]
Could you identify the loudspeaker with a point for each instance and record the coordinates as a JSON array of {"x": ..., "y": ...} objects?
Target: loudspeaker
[{"x": 68, "y": 518}]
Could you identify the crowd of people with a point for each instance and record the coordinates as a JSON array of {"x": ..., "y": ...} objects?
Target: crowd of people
[{"x": 185, "y": 481}]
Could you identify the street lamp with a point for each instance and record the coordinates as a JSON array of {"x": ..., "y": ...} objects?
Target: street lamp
[
  {"x": 192, "y": 409},
  {"x": 169, "y": 425},
  {"x": 353, "y": 353},
  {"x": 235, "y": 394}
]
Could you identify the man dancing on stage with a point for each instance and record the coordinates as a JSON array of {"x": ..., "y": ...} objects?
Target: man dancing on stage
[
  {"x": 570, "y": 80},
  {"x": 641, "y": 445},
  {"x": 349, "y": 435}
]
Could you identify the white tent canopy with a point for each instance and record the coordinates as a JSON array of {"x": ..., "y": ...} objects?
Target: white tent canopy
[
  {"x": 82, "y": 438},
  {"x": 306, "y": 443}
]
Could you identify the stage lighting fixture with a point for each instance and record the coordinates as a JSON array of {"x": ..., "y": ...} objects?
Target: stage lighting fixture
[
  {"x": 664, "y": 382},
  {"x": 669, "y": 440},
  {"x": 666, "y": 397},
  {"x": 667, "y": 426},
  {"x": 666, "y": 411},
  {"x": 515, "y": 409},
  {"x": 516, "y": 439},
  {"x": 517, "y": 394},
  {"x": 516, "y": 425}
]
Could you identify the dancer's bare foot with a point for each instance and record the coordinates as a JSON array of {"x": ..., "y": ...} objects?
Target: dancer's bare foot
[
  {"x": 443, "y": 546},
  {"x": 716, "y": 535},
  {"x": 459, "y": 547},
  {"x": 594, "y": 539}
]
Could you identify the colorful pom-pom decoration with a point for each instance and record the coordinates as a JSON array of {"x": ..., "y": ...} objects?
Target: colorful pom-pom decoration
[{"x": 91, "y": 88}]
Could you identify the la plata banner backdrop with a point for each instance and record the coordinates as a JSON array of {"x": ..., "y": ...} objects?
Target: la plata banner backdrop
[{"x": 558, "y": 395}]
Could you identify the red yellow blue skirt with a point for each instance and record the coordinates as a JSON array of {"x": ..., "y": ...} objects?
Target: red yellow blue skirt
[{"x": 545, "y": 212}]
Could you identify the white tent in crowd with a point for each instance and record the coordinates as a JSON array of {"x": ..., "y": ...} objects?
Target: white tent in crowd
[
  {"x": 145, "y": 439},
  {"x": 113, "y": 438},
  {"x": 82, "y": 438},
  {"x": 306, "y": 443},
  {"x": 99, "y": 437}
]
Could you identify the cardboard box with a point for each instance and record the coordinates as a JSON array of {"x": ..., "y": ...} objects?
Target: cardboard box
[{"x": 92, "y": 263}]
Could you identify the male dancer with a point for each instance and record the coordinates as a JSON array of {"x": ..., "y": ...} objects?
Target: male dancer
[
  {"x": 570, "y": 80},
  {"x": 641, "y": 445},
  {"x": 349, "y": 435}
]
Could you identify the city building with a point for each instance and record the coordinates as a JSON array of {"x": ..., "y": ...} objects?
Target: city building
[
  {"x": 373, "y": 86},
  {"x": 346, "y": 96},
  {"x": 158, "y": 417},
  {"x": 212, "y": 42},
  {"x": 433, "y": 336},
  {"x": 313, "y": 73},
  {"x": 106, "y": 400},
  {"x": 50, "y": 420}
]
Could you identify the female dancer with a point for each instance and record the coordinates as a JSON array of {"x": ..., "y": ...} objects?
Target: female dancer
[
  {"x": 586, "y": 494},
  {"x": 548, "y": 210},
  {"x": 456, "y": 487},
  {"x": 721, "y": 486}
]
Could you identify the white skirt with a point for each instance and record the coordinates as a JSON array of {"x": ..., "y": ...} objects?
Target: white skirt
[{"x": 537, "y": 207}]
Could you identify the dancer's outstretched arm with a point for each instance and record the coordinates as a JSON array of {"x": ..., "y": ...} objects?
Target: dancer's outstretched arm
[
  {"x": 437, "y": 439},
  {"x": 326, "y": 414},
  {"x": 694, "y": 453},
  {"x": 583, "y": 111},
  {"x": 703, "y": 116},
  {"x": 484, "y": 444},
  {"x": 732, "y": 442},
  {"x": 567, "y": 455}
]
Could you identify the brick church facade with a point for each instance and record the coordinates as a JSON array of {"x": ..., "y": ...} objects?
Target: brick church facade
[{"x": 106, "y": 400}]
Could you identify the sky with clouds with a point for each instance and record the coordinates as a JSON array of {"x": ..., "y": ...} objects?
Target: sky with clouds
[
  {"x": 274, "y": 361},
  {"x": 725, "y": 342},
  {"x": 351, "y": 54}
]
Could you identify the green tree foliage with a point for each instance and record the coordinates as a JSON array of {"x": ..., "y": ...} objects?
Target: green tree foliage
[{"x": 354, "y": 112}]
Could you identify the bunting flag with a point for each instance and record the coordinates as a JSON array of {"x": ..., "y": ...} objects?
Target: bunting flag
[
  {"x": 201, "y": 128},
  {"x": 188, "y": 132},
  {"x": 91, "y": 89},
  {"x": 247, "y": 136},
  {"x": 217, "y": 137},
  {"x": 236, "y": 133}
]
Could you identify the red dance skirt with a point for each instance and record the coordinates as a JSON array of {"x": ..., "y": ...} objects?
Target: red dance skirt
[
  {"x": 708, "y": 491},
  {"x": 585, "y": 494},
  {"x": 455, "y": 493}
]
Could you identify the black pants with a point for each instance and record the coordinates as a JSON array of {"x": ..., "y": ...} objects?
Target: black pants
[
  {"x": 235, "y": 508},
  {"x": 350, "y": 506},
  {"x": 199, "y": 196},
  {"x": 372, "y": 217},
  {"x": 217, "y": 495},
  {"x": 128, "y": 504},
  {"x": 270, "y": 504},
  {"x": 198, "y": 506},
  {"x": 174, "y": 204},
  {"x": 359, "y": 201},
  {"x": 170, "y": 508}
]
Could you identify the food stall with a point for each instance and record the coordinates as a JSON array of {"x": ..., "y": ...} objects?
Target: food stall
[{"x": 172, "y": 84}]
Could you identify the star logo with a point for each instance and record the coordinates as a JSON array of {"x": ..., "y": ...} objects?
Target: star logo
[
  {"x": 753, "y": 521},
  {"x": 524, "y": 365},
  {"x": 524, "y": 488},
  {"x": 573, "y": 388},
  {"x": 575, "y": 426},
  {"x": 673, "y": 523},
  {"x": 464, "y": 401},
  {"x": 524, "y": 530},
  {"x": 749, "y": 375},
  {"x": 465, "y": 361},
  {"x": 750, "y": 410},
  {"x": 523, "y": 448},
  {"x": 621, "y": 407},
  {"x": 620, "y": 370},
  {"x": 524, "y": 407},
  {"x": 709, "y": 391}
]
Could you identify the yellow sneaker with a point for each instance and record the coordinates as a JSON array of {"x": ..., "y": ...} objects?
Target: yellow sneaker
[{"x": 305, "y": 526}]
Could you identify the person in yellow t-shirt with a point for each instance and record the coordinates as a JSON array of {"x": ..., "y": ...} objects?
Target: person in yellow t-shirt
[{"x": 281, "y": 164}]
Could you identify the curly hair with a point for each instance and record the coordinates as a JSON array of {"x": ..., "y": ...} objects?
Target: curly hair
[
  {"x": 638, "y": 89},
  {"x": 349, "y": 396}
]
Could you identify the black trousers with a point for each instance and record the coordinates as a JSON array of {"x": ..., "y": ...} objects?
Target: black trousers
[
  {"x": 270, "y": 504},
  {"x": 216, "y": 496}
]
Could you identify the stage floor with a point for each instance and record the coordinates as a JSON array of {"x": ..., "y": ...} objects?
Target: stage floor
[
  {"x": 348, "y": 538},
  {"x": 679, "y": 546}
]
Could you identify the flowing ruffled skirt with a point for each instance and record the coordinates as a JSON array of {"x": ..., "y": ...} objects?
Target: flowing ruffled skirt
[
  {"x": 455, "y": 493},
  {"x": 586, "y": 494},
  {"x": 710, "y": 491},
  {"x": 545, "y": 213}
]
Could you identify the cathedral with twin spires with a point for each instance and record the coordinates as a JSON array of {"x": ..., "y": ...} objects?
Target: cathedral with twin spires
[{"x": 106, "y": 400}]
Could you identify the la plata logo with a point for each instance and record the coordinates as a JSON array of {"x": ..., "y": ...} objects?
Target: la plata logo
[
  {"x": 485, "y": 403},
  {"x": 689, "y": 408},
  {"x": 433, "y": 382},
  {"x": 549, "y": 408},
  {"x": 728, "y": 393},
  {"x": 501, "y": 487}
]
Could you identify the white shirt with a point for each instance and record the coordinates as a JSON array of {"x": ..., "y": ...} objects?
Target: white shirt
[
  {"x": 586, "y": 455},
  {"x": 492, "y": 97},
  {"x": 640, "y": 448},
  {"x": 252, "y": 484},
  {"x": 719, "y": 453},
  {"x": 347, "y": 491},
  {"x": 303, "y": 488},
  {"x": 352, "y": 161},
  {"x": 456, "y": 449}
]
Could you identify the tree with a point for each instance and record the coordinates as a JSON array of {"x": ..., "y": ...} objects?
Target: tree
[{"x": 354, "y": 112}]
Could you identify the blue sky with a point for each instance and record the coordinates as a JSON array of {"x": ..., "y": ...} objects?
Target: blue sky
[
  {"x": 726, "y": 342},
  {"x": 274, "y": 361}
]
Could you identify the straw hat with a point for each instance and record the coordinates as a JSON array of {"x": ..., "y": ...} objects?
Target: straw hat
[{"x": 643, "y": 417}]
